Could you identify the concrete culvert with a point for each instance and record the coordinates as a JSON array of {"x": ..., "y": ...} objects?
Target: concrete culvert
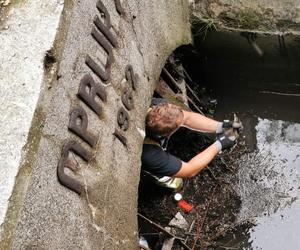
[{"x": 77, "y": 79}]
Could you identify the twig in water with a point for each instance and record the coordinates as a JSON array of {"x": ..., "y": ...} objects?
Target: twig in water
[
  {"x": 199, "y": 228},
  {"x": 160, "y": 228},
  {"x": 233, "y": 226},
  {"x": 212, "y": 175},
  {"x": 226, "y": 247},
  {"x": 189, "y": 231},
  {"x": 225, "y": 164},
  {"x": 143, "y": 234},
  {"x": 278, "y": 93},
  {"x": 197, "y": 233}
]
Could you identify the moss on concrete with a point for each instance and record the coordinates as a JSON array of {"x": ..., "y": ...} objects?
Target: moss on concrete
[{"x": 248, "y": 19}]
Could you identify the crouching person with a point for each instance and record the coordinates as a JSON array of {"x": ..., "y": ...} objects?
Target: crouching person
[{"x": 162, "y": 120}]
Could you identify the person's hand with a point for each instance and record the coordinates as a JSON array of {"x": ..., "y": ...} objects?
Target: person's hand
[
  {"x": 225, "y": 142},
  {"x": 227, "y": 125}
]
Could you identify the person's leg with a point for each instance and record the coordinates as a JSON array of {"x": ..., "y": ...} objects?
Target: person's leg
[{"x": 174, "y": 183}]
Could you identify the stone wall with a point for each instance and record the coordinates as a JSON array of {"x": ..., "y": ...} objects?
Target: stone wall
[{"x": 78, "y": 147}]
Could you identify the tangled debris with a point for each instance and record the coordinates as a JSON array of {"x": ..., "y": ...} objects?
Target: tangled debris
[{"x": 215, "y": 201}]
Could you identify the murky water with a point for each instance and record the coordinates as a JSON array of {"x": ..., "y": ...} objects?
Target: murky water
[
  {"x": 268, "y": 184},
  {"x": 265, "y": 94}
]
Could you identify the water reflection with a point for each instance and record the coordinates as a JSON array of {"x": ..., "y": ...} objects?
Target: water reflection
[
  {"x": 278, "y": 231},
  {"x": 268, "y": 183}
]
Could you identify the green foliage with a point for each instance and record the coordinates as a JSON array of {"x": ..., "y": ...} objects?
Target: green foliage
[{"x": 201, "y": 25}]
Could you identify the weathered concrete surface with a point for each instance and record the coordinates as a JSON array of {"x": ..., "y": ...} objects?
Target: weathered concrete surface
[
  {"x": 277, "y": 16},
  {"x": 43, "y": 214},
  {"x": 23, "y": 47}
]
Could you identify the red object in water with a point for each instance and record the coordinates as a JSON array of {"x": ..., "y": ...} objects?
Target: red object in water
[{"x": 185, "y": 206}]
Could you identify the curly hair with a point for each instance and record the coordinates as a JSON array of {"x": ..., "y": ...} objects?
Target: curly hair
[{"x": 163, "y": 119}]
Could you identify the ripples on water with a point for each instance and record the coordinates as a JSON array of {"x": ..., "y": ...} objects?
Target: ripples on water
[{"x": 268, "y": 183}]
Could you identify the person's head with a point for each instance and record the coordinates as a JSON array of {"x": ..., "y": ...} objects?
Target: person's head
[{"x": 163, "y": 120}]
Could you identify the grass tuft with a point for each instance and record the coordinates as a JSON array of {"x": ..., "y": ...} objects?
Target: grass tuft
[{"x": 201, "y": 25}]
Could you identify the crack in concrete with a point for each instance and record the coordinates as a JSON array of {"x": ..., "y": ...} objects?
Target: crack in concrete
[
  {"x": 93, "y": 209},
  {"x": 138, "y": 41}
]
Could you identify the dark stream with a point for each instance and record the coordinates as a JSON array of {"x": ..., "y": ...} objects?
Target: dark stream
[{"x": 264, "y": 91}]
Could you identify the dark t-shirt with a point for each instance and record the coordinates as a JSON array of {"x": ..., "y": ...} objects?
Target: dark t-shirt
[{"x": 157, "y": 161}]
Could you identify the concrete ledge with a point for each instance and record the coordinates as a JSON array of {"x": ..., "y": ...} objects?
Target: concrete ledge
[
  {"x": 263, "y": 16},
  {"x": 30, "y": 30}
]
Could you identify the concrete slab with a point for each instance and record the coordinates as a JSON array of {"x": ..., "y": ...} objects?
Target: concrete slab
[{"x": 43, "y": 213}]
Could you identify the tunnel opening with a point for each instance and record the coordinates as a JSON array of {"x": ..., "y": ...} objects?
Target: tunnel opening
[{"x": 246, "y": 198}]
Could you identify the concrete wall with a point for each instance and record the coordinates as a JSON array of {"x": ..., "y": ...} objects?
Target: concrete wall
[
  {"x": 93, "y": 144},
  {"x": 276, "y": 16}
]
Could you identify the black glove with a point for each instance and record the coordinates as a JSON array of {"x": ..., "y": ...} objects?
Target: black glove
[
  {"x": 225, "y": 142},
  {"x": 227, "y": 125},
  {"x": 231, "y": 124}
]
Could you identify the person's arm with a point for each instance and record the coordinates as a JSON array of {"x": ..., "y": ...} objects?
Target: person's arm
[
  {"x": 199, "y": 122},
  {"x": 197, "y": 163},
  {"x": 201, "y": 160}
]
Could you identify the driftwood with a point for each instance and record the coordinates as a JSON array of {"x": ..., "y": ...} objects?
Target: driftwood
[{"x": 161, "y": 229}]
